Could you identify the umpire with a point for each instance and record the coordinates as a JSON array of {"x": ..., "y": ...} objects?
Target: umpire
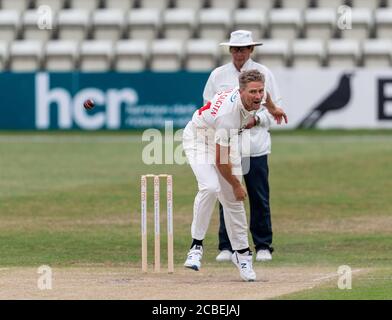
[{"x": 241, "y": 46}]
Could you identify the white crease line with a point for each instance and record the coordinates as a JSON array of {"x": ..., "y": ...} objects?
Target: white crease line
[
  {"x": 34, "y": 138},
  {"x": 333, "y": 275},
  {"x": 331, "y": 139},
  {"x": 73, "y": 139},
  {"x": 325, "y": 277}
]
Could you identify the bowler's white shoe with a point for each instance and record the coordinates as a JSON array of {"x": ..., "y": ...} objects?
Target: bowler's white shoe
[
  {"x": 193, "y": 260},
  {"x": 243, "y": 261},
  {"x": 263, "y": 255},
  {"x": 224, "y": 255}
]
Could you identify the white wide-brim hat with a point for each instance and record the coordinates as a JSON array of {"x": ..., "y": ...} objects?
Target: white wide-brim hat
[{"x": 241, "y": 38}]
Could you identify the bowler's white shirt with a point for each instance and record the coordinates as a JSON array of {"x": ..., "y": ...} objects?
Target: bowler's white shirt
[
  {"x": 224, "y": 115},
  {"x": 226, "y": 77}
]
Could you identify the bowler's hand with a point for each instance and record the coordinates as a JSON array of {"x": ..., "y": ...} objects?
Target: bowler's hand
[
  {"x": 279, "y": 115},
  {"x": 240, "y": 192},
  {"x": 251, "y": 123}
]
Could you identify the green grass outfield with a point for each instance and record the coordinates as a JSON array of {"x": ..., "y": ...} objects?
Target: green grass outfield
[{"x": 74, "y": 198}]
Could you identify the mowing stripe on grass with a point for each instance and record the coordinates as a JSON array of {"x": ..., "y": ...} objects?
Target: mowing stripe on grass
[{"x": 120, "y": 138}]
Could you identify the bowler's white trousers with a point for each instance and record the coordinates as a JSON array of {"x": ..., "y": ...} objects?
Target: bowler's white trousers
[{"x": 212, "y": 186}]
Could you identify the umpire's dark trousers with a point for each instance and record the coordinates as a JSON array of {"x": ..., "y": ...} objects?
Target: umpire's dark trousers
[{"x": 256, "y": 181}]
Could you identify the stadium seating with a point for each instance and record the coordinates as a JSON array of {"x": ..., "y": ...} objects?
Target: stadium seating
[
  {"x": 73, "y": 24},
  {"x": 3, "y": 55},
  {"x": 195, "y": 4},
  {"x": 179, "y": 23},
  {"x": 214, "y": 23},
  {"x": 61, "y": 55},
  {"x": 329, "y": 3},
  {"x": 308, "y": 53},
  {"x": 19, "y": 5},
  {"x": 257, "y": 4},
  {"x": 9, "y": 24},
  {"x": 25, "y": 55},
  {"x": 95, "y": 55},
  {"x": 156, "y": 4},
  {"x": 30, "y": 20},
  {"x": 296, "y": 33},
  {"x": 254, "y": 20},
  {"x": 54, "y": 5},
  {"x": 107, "y": 24},
  {"x": 297, "y": 4},
  {"x": 366, "y": 4},
  {"x": 143, "y": 24},
  {"x": 201, "y": 54},
  {"x": 361, "y": 24},
  {"x": 166, "y": 55},
  {"x": 273, "y": 53},
  {"x": 377, "y": 53},
  {"x": 123, "y": 5},
  {"x": 285, "y": 23},
  {"x": 383, "y": 22},
  {"x": 88, "y": 5},
  {"x": 343, "y": 53},
  {"x": 225, "y": 4},
  {"x": 320, "y": 23},
  {"x": 131, "y": 55}
]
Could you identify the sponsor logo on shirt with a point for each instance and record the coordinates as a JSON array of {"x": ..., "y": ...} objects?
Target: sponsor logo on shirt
[
  {"x": 234, "y": 96},
  {"x": 218, "y": 103}
]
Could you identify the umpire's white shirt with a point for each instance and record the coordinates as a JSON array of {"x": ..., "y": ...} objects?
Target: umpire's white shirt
[{"x": 226, "y": 77}]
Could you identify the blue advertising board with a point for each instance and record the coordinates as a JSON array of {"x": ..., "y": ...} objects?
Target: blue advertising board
[
  {"x": 52, "y": 101},
  {"x": 123, "y": 100}
]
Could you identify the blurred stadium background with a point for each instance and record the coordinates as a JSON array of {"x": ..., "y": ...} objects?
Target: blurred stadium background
[
  {"x": 170, "y": 35},
  {"x": 84, "y": 49}
]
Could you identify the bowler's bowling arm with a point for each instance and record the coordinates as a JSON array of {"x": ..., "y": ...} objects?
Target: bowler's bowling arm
[
  {"x": 222, "y": 158},
  {"x": 273, "y": 109}
]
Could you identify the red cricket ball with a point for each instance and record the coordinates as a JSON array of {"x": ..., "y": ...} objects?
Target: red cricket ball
[{"x": 89, "y": 104}]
